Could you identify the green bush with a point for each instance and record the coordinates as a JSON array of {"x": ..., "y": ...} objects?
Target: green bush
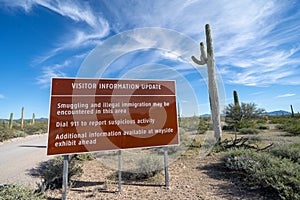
[
  {"x": 6, "y": 134},
  {"x": 13, "y": 192},
  {"x": 278, "y": 119},
  {"x": 190, "y": 123},
  {"x": 248, "y": 131},
  {"x": 291, "y": 151},
  {"x": 292, "y": 126},
  {"x": 262, "y": 120},
  {"x": 262, "y": 126},
  {"x": 85, "y": 157},
  {"x": 202, "y": 126},
  {"x": 279, "y": 127},
  {"x": 246, "y": 123},
  {"x": 147, "y": 167},
  {"x": 239, "y": 159},
  {"x": 40, "y": 126},
  {"x": 52, "y": 172},
  {"x": 265, "y": 170}
]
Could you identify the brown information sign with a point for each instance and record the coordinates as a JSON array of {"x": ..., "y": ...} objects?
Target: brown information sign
[{"x": 107, "y": 114}]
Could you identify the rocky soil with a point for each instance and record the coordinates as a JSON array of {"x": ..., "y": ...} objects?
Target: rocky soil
[{"x": 191, "y": 177}]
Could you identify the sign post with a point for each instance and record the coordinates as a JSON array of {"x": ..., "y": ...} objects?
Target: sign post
[
  {"x": 166, "y": 162},
  {"x": 65, "y": 177},
  {"x": 120, "y": 170}
]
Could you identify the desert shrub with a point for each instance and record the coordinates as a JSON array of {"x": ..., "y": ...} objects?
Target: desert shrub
[
  {"x": 147, "y": 167},
  {"x": 85, "y": 157},
  {"x": 238, "y": 159},
  {"x": 262, "y": 126},
  {"x": 265, "y": 170},
  {"x": 262, "y": 120},
  {"x": 279, "y": 127},
  {"x": 40, "y": 126},
  {"x": 278, "y": 119},
  {"x": 248, "y": 131},
  {"x": 184, "y": 138},
  {"x": 13, "y": 192},
  {"x": 290, "y": 151},
  {"x": 185, "y": 142},
  {"x": 292, "y": 126},
  {"x": 254, "y": 139},
  {"x": 52, "y": 172},
  {"x": 228, "y": 128},
  {"x": 6, "y": 134},
  {"x": 190, "y": 123},
  {"x": 203, "y": 125},
  {"x": 245, "y": 123}
]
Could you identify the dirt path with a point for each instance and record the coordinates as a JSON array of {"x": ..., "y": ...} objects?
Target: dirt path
[
  {"x": 191, "y": 177},
  {"x": 18, "y": 156}
]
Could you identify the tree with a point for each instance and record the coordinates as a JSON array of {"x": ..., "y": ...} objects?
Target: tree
[
  {"x": 250, "y": 111},
  {"x": 246, "y": 112}
]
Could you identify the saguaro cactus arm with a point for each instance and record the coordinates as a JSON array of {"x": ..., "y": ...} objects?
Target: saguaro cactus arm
[{"x": 203, "y": 58}]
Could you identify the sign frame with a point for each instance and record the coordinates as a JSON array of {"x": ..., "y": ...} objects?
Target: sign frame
[{"x": 89, "y": 88}]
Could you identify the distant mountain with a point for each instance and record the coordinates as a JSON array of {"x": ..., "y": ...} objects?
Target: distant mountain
[
  {"x": 272, "y": 113},
  {"x": 37, "y": 119},
  {"x": 42, "y": 118},
  {"x": 278, "y": 112},
  {"x": 205, "y": 115}
]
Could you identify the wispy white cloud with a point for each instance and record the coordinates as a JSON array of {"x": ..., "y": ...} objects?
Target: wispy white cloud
[
  {"x": 77, "y": 11},
  {"x": 48, "y": 72},
  {"x": 89, "y": 28},
  {"x": 256, "y": 42},
  {"x": 55, "y": 70},
  {"x": 250, "y": 36},
  {"x": 2, "y": 96},
  {"x": 94, "y": 27},
  {"x": 285, "y": 95}
]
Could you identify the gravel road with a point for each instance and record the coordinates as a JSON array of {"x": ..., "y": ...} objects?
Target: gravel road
[{"x": 19, "y": 155}]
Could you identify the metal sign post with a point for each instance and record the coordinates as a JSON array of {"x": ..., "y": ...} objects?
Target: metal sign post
[
  {"x": 119, "y": 170},
  {"x": 167, "y": 183},
  {"x": 65, "y": 177}
]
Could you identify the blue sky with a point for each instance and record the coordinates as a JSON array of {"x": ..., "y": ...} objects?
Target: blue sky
[{"x": 256, "y": 43}]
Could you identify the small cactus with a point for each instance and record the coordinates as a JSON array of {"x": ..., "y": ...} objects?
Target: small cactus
[
  {"x": 236, "y": 98},
  {"x": 237, "y": 107},
  {"x": 33, "y": 119},
  {"x": 292, "y": 111},
  {"x": 11, "y": 120},
  {"x": 22, "y": 118}
]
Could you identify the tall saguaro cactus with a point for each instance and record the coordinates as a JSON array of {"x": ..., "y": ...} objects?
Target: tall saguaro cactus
[
  {"x": 11, "y": 120},
  {"x": 212, "y": 84},
  {"x": 22, "y": 118}
]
